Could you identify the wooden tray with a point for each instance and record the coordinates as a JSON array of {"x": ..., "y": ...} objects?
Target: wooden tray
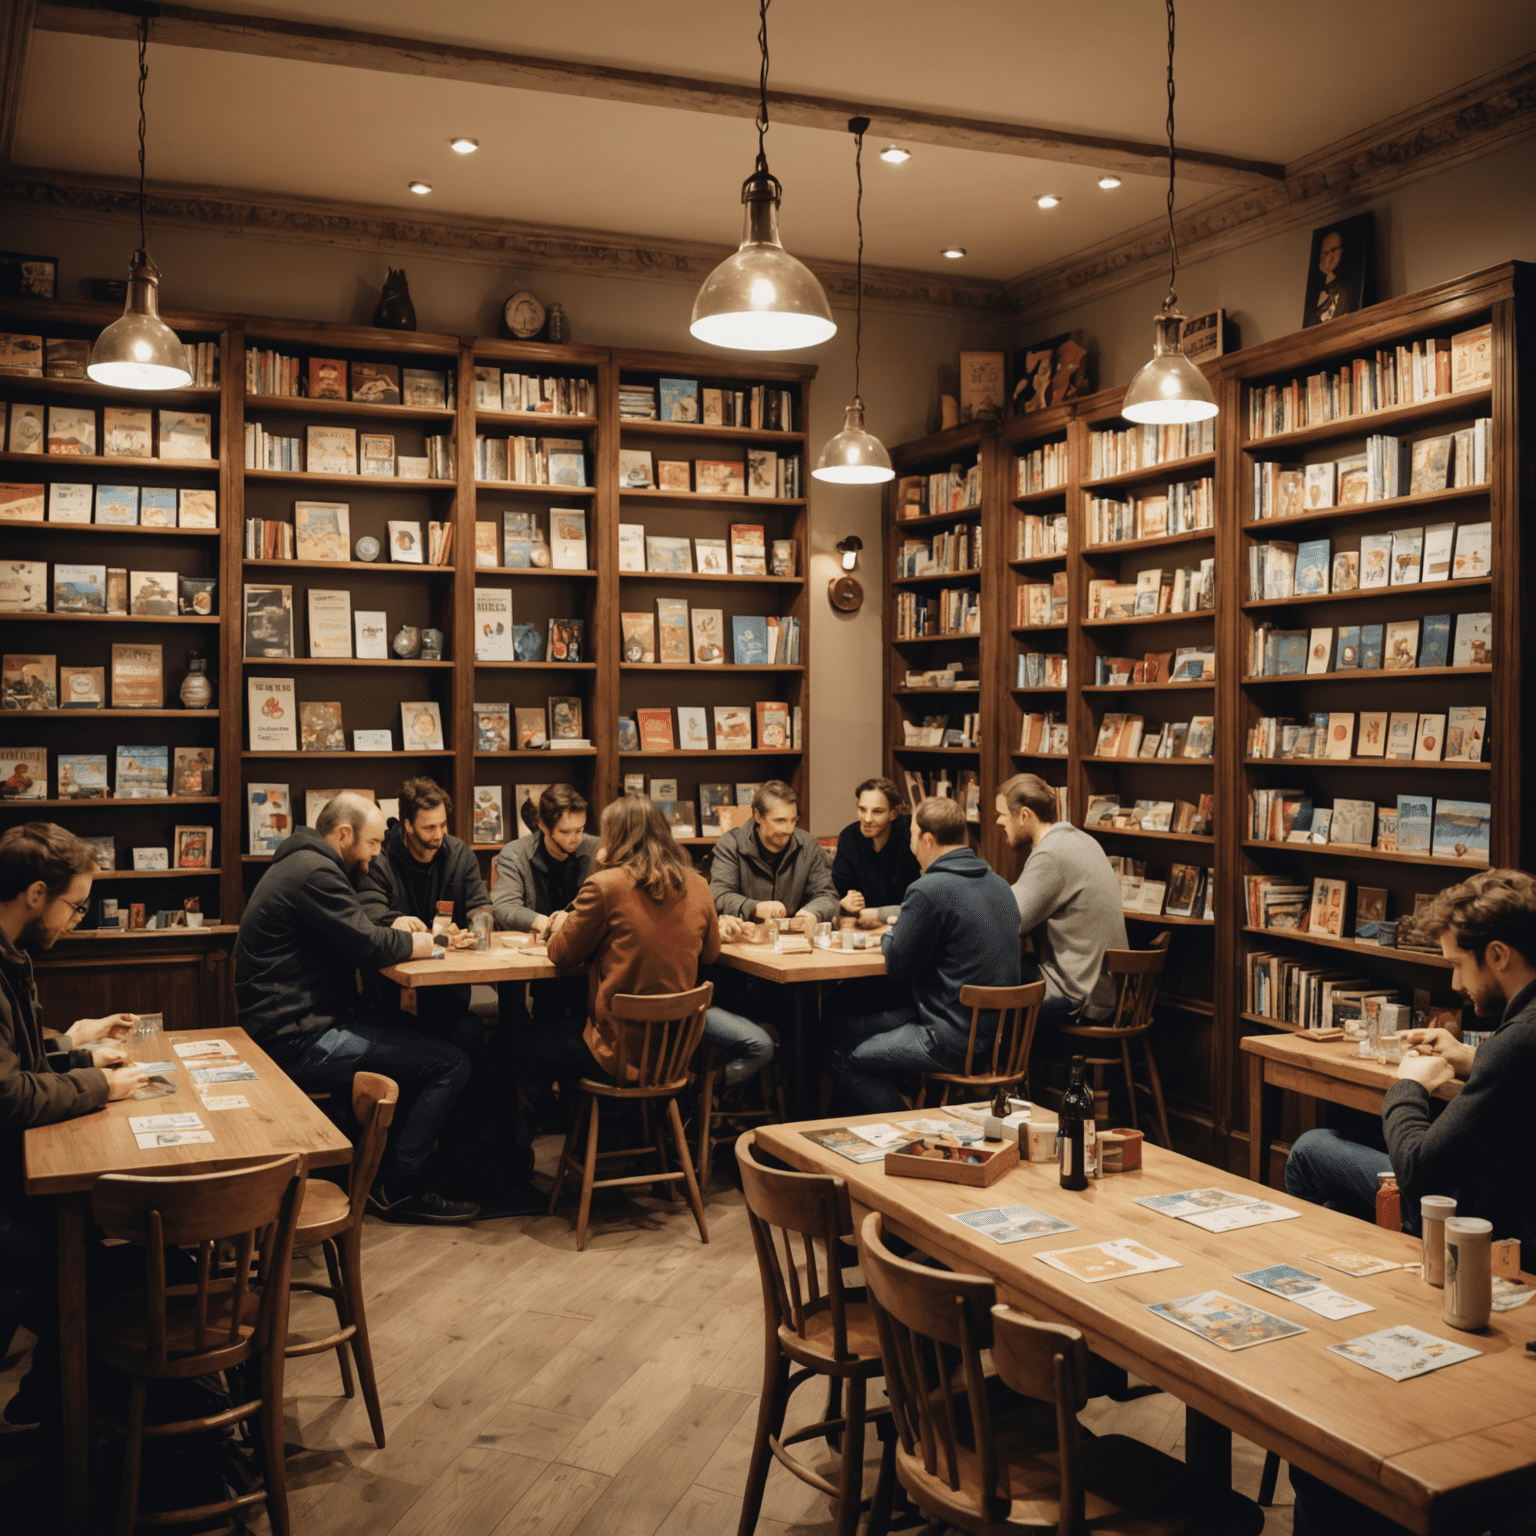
[{"x": 978, "y": 1165}]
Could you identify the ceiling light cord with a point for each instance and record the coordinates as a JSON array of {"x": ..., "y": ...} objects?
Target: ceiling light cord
[
  {"x": 762, "y": 83},
  {"x": 858, "y": 211},
  {"x": 143, "y": 81},
  {"x": 1173, "y": 241}
]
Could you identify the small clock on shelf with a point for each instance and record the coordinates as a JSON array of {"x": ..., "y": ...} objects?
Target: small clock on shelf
[{"x": 523, "y": 316}]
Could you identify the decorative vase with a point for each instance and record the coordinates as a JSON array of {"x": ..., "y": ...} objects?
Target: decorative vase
[
  {"x": 196, "y": 690},
  {"x": 559, "y": 325},
  {"x": 395, "y": 311},
  {"x": 407, "y": 642}
]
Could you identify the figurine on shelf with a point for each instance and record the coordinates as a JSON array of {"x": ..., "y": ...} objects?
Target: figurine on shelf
[
  {"x": 431, "y": 645},
  {"x": 559, "y": 326},
  {"x": 395, "y": 311},
  {"x": 196, "y": 690},
  {"x": 407, "y": 642}
]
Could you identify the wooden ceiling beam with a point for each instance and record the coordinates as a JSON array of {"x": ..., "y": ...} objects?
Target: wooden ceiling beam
[{"x": 272, "y": 37}]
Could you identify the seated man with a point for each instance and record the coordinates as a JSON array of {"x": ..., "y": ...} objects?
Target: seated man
[
  {"x": 303, "y": 937},
  {"x": 873, "y": 865},
  {"x": 422, "y": 872},
  {"x": 1487, "y": 926},
  {"x": 958, "y": 927},
  {"x": 1069, "y": 897}
]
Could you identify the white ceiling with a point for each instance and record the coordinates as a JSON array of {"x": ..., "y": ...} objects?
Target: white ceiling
[{"x": 1262, "y": 82}]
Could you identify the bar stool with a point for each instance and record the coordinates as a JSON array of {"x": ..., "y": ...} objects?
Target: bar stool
[
  {"x": 1007, "y": 1063},
  {"x": 770, "y": 1087},
  {"x": 1139, "y": 971}
]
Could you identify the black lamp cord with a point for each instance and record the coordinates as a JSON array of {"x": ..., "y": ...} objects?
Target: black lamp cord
[
  {"x": 762, "y": 84},
  {"x": 143, "y": 81},
  {"x": 1173, "y": 243},
  {"x": 859, "y": 124}
]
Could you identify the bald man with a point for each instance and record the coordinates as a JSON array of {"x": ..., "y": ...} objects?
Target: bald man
[{"x": 303, "y": 938}]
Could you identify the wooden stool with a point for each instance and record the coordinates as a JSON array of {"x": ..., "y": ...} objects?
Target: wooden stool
[
  {"x": 1025, "y": 1466},
  {"x": 770, "y": 1086},
  {"x": 1138, "y": 970},
  {"x": 652, "y": 1065},
  {"x": 813, "y": 1321},
  {"x": 1007, "y": 1063},
  {"x": 233, "y": 1316},
  {"x": 332, "y": 1217}
]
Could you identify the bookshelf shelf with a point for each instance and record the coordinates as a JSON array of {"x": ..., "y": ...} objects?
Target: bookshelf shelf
[
  {"x": 1205, "y": 685},
  {"x": 1048, "y": 757},
  {"x": 699, "y": 752},
  {"x": 1151, "y": 762},
  {"x": 1034, "y": 498},
  {"x": 1040, "y": 688},
  {"x": 746, "y": 503},
  {"x": 952, "y": 636},
  {"x": 545, "y": 753},
  {"x": 942, "y": 579},
  {"x": 111, "y": 714},
  {"x": 952, "y": 693},
  {"x": 302, "y": 405},
  {"x": 1029, "y": 562},
  {"x": 1204, "y": 838},
  {"x": 1388, "y": 506},
  {"x": 1118, "y": 547},
  {"x": 112, "y": 530},
  {"x": 357, "y": 482},
  {"x": 1366, "y": 951},
  {"x": 707, "y": 666},
  {"x": 1470, "y": 402},
  {"x": 938, "y": 751},
  {"x": 1366, "y": 594},
  {"x": 343, "y": 661},
  {"x": 114, "y": 800},
  {"x": 367, "y": 567},
  {"x": 179, "y": 934},
  {"x": 1157, "y": 919},
  {"x": 106, "y": 618},
  {"x": 935, "y": 519},
  {"x": 1022, "y": 631},
  {"x": 527, "y": 570},
  {"x": 1269, "y": 1023},
  {"x": 519, "y": 488},
  {"x": 1371, "y": 674},
  {"x": 1170, "y": 469},
  {"x": 640, "y": 426},
  {"x": 1364, "y": 762},
  {"x": 106, "y": 394},
  {"x": 120, "y": 462},
  {"x": 327, "y": 756},
  {"x": 1350, "y": 851},
  {"x": 1195, "y": 616},
  {"x": 546, "y": 423},
  {"x": 749, "y": 581},
  {"x": 156, "y": 874},
  {"x": 536, "y": 666}
]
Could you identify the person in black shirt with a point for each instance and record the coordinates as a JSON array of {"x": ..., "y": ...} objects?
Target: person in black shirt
[{"x": 874, "y": 864}]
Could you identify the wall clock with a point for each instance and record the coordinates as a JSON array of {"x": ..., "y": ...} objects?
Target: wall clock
[
  {"x": 845, "y": 594},
  {"x": 523, "y": 315}
]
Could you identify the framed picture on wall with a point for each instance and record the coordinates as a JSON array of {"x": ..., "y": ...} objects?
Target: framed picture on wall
[
  {"x": 1050, "y": 372},
  {"x": 1341, "y": 257},
  {"x": 28, "y": 277},
  {"x": 1200, "y": 339}
]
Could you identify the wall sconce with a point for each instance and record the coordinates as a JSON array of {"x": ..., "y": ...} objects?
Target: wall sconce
[{"x": 844, "y": 592}]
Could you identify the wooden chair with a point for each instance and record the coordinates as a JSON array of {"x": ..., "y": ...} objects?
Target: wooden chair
[
  {"x": 233, "y": 1319},
  {"x": 1139, "y": 971},
  {"x": 1005, "y": 1064},
  {"x": 660, "y": 1040},
  {"x": 1002, "y": 1468},
  {"x": 770, "y": 1086},
  {"x": 332, "y": 1217},
  {"x": 817, "y": 1323}
]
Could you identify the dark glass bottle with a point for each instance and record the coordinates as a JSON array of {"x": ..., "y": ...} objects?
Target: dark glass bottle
[{"x": 1076, "y": 1133}]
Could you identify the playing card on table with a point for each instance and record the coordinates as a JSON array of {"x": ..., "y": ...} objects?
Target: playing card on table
[
  {"x": 1107, "y": 1261},
  {"x": 151, "y": 1139},
  {"x": 958, "y": 1130},
  {"x": 1509, "y": 1294},
  {"x": 1401, "y": 1353},
  {"x": 154, "y": 1068},
  {"x": 1352, "y": 1262},
  {"x": 1012, "y": 1223},
  {"x": 188, "y": 1120},
  {"x": 1192, "y": 1201},
  {"x": 231, "y": 1072},
  {"x": 1305, "y": 1290},
  {"x": 1232, "y": 1217},
  {"x": 226, "y": 1101},
  {"x": 1225, "y": 1321},
  {"x": 188, "y": 1048}
]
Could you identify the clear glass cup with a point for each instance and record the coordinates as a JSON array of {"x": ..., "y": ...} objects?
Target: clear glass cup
[{"x": 824, "y": 935}]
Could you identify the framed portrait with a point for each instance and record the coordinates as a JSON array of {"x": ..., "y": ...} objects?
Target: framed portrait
[
  {"x": 1341, "y": 257},
  {"x": 1200, "y": 339},
  {"x": 28, "y": 277},
  {"x": 1051, "y": 372}
]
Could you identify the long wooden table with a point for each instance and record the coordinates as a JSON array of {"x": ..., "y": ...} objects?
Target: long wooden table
[
  {"x": 1332, "y": 1070},
  {"x": 1444, "y": 1453},
  {"x": 65, "y": 1161}
]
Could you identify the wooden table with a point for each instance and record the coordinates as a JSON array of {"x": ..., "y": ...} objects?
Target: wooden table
[
  {"x": 1443, "y": 1453},
  {"x": 65, "y": 1160},
  {"x": 1332, "y": 1070}
]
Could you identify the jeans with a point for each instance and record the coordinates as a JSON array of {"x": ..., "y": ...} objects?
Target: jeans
[
  {"x": 545, "y": 1049},
  {"x": 431, "y": 1074},
  {"x": 1335, "y": 1169},
  {"x": 868, "y": 1051},
  {"x": 748, "y": 1046},
  {"x": 444, "y": 1014}
]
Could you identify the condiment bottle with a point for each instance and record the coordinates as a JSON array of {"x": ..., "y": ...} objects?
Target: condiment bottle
[
  {"x": 1389, "y": 1202},
  {"x": 1076, "y": 1132},
  {"x": 1433, "y": 1211}
]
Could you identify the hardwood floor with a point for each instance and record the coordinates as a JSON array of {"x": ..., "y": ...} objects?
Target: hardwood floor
[{"x": 530, "y": 1390}]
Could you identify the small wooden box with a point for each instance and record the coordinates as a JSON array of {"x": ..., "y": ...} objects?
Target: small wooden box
[
  {"x": 1506, "y": 1258},
  {"x": 978, "y": 1165},
  {"x": 1119, "y": 1151}
]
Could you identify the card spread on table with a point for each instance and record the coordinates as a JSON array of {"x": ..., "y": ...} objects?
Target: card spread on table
[
  {"x": 155, "y": 1088},
  {"x": 1193, "y": 1201},
  {"x": 1107, "y": 1261},
  {"x": 227, "y": 1072},
  {"x": 154, "y": 1067},
  {"x": 1229, "y": 1219},
  {"x": 1509, "y": 1294},
  {"x": 203, "y": 1048},
  {"x": 1401, "y": 1353},
  {"x": 188, "y": 1120},
  {"x": 963, "y": 1131},
  {"x": 845, "y": 1142},
  {"x": 1305, "y": 1290},
  {"x": 152, "y": 1139},
  {"x": 882, "y": 1135},
  {"x": 1012, "y": 1223},
  {"x": 1352, "y": 1262},
  {"x": 1225, "y": 1321},
  {"x": 226, "y": 1101}
]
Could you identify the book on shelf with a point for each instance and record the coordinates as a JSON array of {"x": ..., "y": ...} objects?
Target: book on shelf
[
  {"x": 1474, "y": 640},
  {"x": 271, "y": 714},
  {"x": 672, "y": 631},
  {"x": 532, "y": 726},
  {"x": 330, "y": 622},
  {"x": 493, "y": 624},
  {"x": 24, "y": 773},
  {"x": 486, "y": 554},
  {"x": 320, "y": 727},
  {"x": 138, "y": 677},
  {"x": 733, "y": 728},
  {"x": 371, "y": 632},
  {"x": 269, "y": 818},
  {"x": 748, "y": 557},
  {"x": 268, "y": 620},
  {"x": 708, "y": 636},
  {"x": 486, "y": 810},
  {"x": 82, "y": 687},
  {"x": 638, "y": 638},
  {"x": 567, "y": 637},
  {"x": 667, "y": 554},
  {"x": 1461, "y": 830},
  {"x": 567, "y": 539},
  {"x": 692, "y": 728},
  {"x": 142, "y": 773},
  {"x": 421, "y": 726},
  {"x": 1045, "y": 468},
  {"x": 1115, "y": 451},
  {"x": 655, "y": 726}
]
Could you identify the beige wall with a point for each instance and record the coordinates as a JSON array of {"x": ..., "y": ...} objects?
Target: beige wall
[{"x": 902, "y": 356}]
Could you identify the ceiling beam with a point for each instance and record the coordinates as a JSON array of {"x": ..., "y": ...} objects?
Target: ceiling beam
[
  {"x": 17, "y": 20},
  {"x": 279, "y": 38}
]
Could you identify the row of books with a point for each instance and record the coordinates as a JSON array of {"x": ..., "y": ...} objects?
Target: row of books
[
  {"x": 556, "y": 726},
  {"x": 1282, "y": 904},
  {"x": 545, "y": 394},
  {"x": 127, "y": 432},
  {"x": 1406, "y": 556},
  {"x": 951, "y": 611},
  {"x": 267, "y": 613},
  {"x": 941, "y": 731},
  {"x": 346, "y": 451},
  {"x": 1314, "y": 997},
  {"x": 118, "y": 506},
  {"x": 956, "y": 489},
  {"x": 32, "y": 681},
  {"x": 1043, "y": 469},
  {"x": 1118, "y": 452},
  {"x": 651, "y": 730},
  {"x": 762, "y": 473},
  {"x": 1430, "y": 369},
  {"x": 1419, "y": 824},
  {"x": 277, "y": 722},
  {"x": 756, "y": 641},
  {"x": 942, "y": 677},
  {"x": 531, "y": 460},
  {"x": 58, "y": 357},
  {"x": 1454, "y": 736},
  {"x": 1187, "y": 664},
  {"x": 95, "y": 589},
  {"x": 270, "y": 372},
  {"x": 966, "y": 790},
  {"x": 1187, "y": 589},
  {"x": 142, "y": 773},
  {"x": 1042, "y": 604},
  {"x": 749, "y": 553},
  {"x": 1394, "y": 647},
  {"x": 957, "y": 550},
  {"x": 191, "y": 850},
  {"x": 1122, "y": 735},
  {"x": 721, "y": 807},
  {"x": 1041, "y": 535},
  {"x": 497, "y": 638},
  {"x": 758, "y": 408},
  {"x": 269, "y": 812},
  {"x": 1187, "y": 507},
  {"x": 322, "y": 530},
  {"x": 1044, "y": 734},
  {"x": 1037, "y": 669},
  {"x": 1107, "y": 813},
  {"x": 1186, "y": 891}
]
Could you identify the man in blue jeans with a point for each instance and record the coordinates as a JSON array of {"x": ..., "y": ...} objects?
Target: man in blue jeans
[
  {"x": 303, "y": 937},
  {"x": 958, "y": 927}
]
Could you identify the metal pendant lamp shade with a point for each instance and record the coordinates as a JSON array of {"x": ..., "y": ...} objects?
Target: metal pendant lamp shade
[
  {"x": 140, "y": 351},
  {"x": 854, "y": 456},
  {"x": 1169, "y": 389}
]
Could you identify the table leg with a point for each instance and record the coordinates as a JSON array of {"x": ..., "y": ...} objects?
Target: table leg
[
  {"x": 1207, "y": 1449},
  {"x": 1258, "y": 1148},
  {"x": 800, "y": 1066},
  {"x": 72, "y": 1213}
]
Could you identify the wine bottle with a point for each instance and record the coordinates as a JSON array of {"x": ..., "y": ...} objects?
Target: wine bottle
[{"x": 1077, "y": 1135}]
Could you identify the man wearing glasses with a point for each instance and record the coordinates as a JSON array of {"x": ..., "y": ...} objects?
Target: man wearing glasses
[{"x": 45, "y": 885}]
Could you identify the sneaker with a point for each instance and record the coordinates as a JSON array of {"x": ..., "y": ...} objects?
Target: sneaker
[{"x": 428, "y": 1209}]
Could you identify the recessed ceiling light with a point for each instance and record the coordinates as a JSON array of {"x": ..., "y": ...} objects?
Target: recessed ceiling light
[
  {"x": 954, "y": 252},
  {"x": 894, "y": 154},
  {"x": 462, "y": 146},
  {"x": 1049, "y": 200},
  {"x": 421, "y": 188},
  {"x": 1109, "y": 183}
]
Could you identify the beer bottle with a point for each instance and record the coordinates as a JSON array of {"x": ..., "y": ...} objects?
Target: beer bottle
[{"x": 1077, "y": 1134}]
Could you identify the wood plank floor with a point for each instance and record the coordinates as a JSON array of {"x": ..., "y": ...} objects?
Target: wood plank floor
[{"x": 530, "y": 1390}]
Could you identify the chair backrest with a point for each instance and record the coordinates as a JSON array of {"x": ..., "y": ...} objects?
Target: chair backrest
[
  {"x": 800, "y": 1279},
  {"x": 1018, "y": 1010},
  {"x": 933, "y": 1325},
  {"x": 373, "y": 1106},
  {"x": 1139, "y": 971},
  {"x": 255, "y": 1210},
  {"x": 662, "y": 1035}
]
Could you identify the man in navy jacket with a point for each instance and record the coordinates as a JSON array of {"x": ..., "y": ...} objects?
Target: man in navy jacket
[{"x": 959, "y": 926}]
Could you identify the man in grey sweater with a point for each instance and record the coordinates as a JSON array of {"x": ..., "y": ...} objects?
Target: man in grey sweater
[{"x": 1069, "y": 897}]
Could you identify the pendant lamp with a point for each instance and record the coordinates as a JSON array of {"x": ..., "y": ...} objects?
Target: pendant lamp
[
  {"x": 1170, "y": 389},
  {"x": 762, "y": 299},
  {"x": 854, "y": 456},
  {"x": 140, "y": 351}
]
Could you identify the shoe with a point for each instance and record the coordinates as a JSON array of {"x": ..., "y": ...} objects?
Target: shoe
[
  {"x": 425, "y": 1209},
  {"x": 507, "y": 1198}
]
